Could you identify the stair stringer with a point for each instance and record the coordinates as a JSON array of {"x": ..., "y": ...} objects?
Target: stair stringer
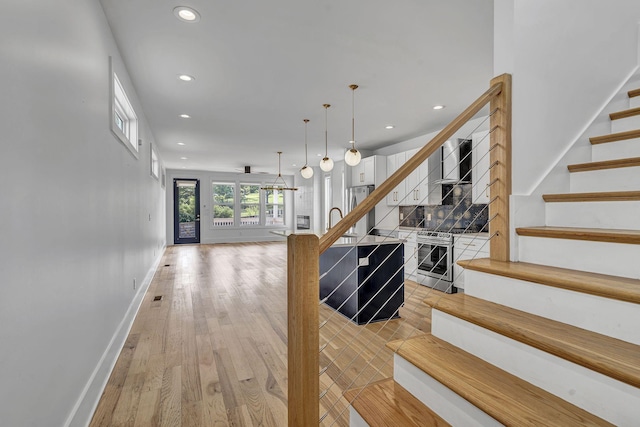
[{"x": 529, "y": 209}]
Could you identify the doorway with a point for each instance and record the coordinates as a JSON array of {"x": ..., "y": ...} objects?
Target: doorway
[{"x": 186, "y": 211}]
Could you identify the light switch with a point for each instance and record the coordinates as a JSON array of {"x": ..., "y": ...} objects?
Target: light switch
[{"x": 363, "y": 262}]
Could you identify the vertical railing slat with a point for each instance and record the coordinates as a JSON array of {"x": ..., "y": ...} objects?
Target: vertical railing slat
[
  {"x": 500, "y": 189},
  {"x": 303, "y": 293}
]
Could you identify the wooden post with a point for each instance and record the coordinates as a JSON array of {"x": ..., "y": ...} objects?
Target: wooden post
[
  {"x": 303, "y": 299},
  {"x": 501, "y": 171}
]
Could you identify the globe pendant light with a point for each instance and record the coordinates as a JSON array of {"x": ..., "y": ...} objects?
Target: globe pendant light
[
  {"x": 326, "y": 164},
  {"x": 306, "y": 171},
  {"x": 352, "y": 156}
]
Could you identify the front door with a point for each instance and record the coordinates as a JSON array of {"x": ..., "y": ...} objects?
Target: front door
[{"x": 186, "y": 211}]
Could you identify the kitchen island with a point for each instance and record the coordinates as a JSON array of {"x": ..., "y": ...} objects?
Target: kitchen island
[{"x": 363, "y": 278}]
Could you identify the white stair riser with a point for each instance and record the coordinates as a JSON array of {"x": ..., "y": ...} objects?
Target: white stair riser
[
  {"x": 616, "y": 259},
  {"x": 605, "y": 316},
  {"x": 603, "y": 396},
  {"x": 616, "y": 150},
  {"x": 623, "y": 125},
  {"x": 454, "y": 409},
  {"x": 355, "y": 420},
  {"x": 634, "y": 102},
  {"x": 617, "y": 179},
  {"x": 620, "y": 215}
]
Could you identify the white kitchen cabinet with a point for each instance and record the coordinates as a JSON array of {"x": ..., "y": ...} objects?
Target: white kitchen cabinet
[
  {"x": 414, "y": 190},
  {"x": 370, "y": 171},
  {"x": 394, "y": 162},
  {"x": 465, "y": 247},
  {"x": 410, "y": 253},
  {"x": 480, "y": 168},
  {"x": 417, "y": 183}
]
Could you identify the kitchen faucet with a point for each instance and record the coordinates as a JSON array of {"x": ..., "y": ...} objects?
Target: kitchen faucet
[{"x": 331, "y": 211}]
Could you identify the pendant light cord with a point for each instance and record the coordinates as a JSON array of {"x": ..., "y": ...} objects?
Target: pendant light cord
[
  {"x": 306, "y": 155},
  {"x": 326, "y": 132}
]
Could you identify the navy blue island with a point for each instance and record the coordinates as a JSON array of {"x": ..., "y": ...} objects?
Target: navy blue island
[{"x": 363, "y": 278}]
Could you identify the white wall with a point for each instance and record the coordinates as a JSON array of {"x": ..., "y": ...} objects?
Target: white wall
[
  {"x": 80, "y": 216},
  {"x": 210, "y": 234},
  {"x": 567, "y": 59}
]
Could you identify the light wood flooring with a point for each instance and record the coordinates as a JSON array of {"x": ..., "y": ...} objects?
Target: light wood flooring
[{"x": 213, "y": 350}]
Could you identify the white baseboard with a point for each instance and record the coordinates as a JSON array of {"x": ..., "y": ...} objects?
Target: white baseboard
[{"x": 87, "y": 402}]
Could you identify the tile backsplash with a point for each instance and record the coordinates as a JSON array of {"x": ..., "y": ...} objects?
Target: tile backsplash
[{"x": 457, "y": 211}]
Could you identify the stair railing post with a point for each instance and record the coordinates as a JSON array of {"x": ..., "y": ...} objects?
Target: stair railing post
[
  {"x": 500, "y": 181},
  {"x": 303, "y": 296}
]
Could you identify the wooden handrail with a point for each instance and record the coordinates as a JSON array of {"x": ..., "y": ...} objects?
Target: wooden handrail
[
  {"x": 303, "y": 250},
  {"x": 405, "y": 170}
]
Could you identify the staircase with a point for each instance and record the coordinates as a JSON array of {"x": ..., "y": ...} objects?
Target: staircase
[{"x": 552, "y": 340}]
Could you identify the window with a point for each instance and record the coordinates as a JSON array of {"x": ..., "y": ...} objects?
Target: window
[
  {"x": 224, "y": 200},
  {"x": 124, "y": 123},
  {"x": 274, "y": 207},
  {"x": 249, "y": 204},
  {"x": 155, "y": 163}
]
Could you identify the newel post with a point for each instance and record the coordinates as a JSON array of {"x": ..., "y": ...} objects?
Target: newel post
[
  {"x": 501, "y": 171},
  {"x": 303, "y": 296}
]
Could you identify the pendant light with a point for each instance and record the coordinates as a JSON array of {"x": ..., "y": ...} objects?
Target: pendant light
[
  {"x": 326, "y": 164},
  {"x": 352, "y": 156},
  {"x": 306, "y": 171},
  {"x": 275, "y": 186}
]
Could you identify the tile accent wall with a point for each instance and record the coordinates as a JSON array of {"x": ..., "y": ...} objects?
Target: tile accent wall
[{"x": 456, "y": 211}]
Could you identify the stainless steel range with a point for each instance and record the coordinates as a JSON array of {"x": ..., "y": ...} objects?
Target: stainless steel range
[{"x": 435, "y": 258}]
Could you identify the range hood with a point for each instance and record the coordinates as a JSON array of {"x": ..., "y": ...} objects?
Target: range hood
[{"x": 456, "y": 161}]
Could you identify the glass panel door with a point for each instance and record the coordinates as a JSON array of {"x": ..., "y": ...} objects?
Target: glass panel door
[{"x": 186, "y": 211}]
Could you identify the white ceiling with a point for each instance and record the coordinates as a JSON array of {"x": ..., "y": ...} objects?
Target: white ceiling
[{"x": 261, "y": 67}]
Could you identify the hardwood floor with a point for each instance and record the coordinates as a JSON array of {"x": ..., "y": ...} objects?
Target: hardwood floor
[{"x": 213, "y": 350}]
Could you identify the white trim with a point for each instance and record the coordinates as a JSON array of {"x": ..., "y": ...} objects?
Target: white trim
[
  {"x": 89, "y": 398},
  {"x": 582, "y": 131}
]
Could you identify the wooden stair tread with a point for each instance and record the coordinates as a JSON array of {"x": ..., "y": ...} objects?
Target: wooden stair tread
[
  {"x": 633, "y": 93},
  {"x": 606, "y": 164},
  {"x": 386, "y": 403},
  {"x": 505, "y": 397},
  {"x": 577, "y": 233},
  {"x": 603, "y": 285},
  {"x": 606, "y": 196},
  {"x": 625, "y": 113},
  {"x": 620, "y": 136},
  {"x": 609, "y": 356}
]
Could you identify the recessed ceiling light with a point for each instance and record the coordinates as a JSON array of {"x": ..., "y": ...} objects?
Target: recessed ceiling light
[
  {"x": 185, "y": 116},
  {"x": 389, "y": 126},
  {"x": 438, "y": 107},
  {"x": 180, "y": 143},
  {"x": 320, "y": 155},
  {"x": 186, "y": 78},
  {"x": 183, "y": 158},
  {"x": 186, "y": 14},
  {"x": 294, "y": 165}
]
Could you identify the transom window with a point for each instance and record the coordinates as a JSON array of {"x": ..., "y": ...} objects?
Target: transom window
[{"x": 124, "y": 120}]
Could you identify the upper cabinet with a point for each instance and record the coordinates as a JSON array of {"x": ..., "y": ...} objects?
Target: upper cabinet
[
  {"x": 370, "y": 171},
  {"x": 394, "y": 162},
  {"x": 416, "y": 189},
  {"x": 480, "y": 175}
]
